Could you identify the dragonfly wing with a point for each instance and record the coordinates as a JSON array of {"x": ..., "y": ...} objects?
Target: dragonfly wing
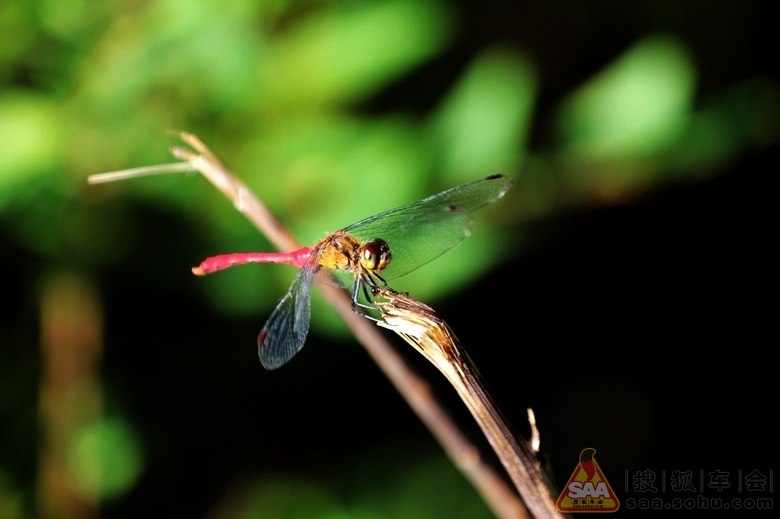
[
  {"x": 422, "y": 231},
  {"x": 285, "y": 331}
]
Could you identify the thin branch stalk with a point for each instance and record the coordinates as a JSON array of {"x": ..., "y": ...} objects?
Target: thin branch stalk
[{"x": 421, "y": 327}]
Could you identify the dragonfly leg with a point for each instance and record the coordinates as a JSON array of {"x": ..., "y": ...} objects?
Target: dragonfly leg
[
  {"x": 355, "y": 293},
  {"x": 356, "y": 302},
  {"x": 370, "y": 317},
  {"x": 365, "y": 281},
  {"x": 365, "y": 292},
  {"x": 368, "y": 281}
]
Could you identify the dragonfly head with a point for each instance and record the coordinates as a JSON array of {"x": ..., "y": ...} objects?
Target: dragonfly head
[{"x": 375, "y": 255}]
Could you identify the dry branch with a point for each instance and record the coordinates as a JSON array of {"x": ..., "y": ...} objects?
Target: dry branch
[{"x": 499, "y": 496}]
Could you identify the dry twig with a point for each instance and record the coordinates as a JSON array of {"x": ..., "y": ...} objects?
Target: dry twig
[{"x": 419, "y": 325}]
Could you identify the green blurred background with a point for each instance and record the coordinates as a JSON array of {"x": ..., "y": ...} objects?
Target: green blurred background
[{"x": 622, "y": 289}]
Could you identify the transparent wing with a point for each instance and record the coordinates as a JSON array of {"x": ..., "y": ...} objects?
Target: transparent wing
[
  {"x": 422, "y": 231},
  {"x": 285, "y": 331}
]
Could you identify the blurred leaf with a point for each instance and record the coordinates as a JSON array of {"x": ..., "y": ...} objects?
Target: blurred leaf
[
  {"x": 31, "y": 134},
  {"x": 636, "y": 106},
  {"x": 708, "y": 139},
  {"x": 11, "y": 499},
  {"x": 482, "y": 127},
  {"x": 746, "y": 114},
  {"x": 186, "y": 54},
  {"x": 414, "y": 485},
  {"x": 343, "y": 54},
  {"x": 105, "y": 458},
  {"x": 73, "y": 20},
  {"x": 324, "y": 173},
  {"x": 55, "y": 225},
  {"x": 16, "y": 32},
  {"x": 290, "y": 499}
]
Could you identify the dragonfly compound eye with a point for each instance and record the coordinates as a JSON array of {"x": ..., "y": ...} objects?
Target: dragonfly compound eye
[{"x": 375, "y": 255}]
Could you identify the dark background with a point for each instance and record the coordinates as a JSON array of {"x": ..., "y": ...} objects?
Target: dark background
[{"x": 639, "y": 326}]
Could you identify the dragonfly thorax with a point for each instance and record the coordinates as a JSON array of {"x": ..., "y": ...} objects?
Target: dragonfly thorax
[{"x": 375, "y": 255}]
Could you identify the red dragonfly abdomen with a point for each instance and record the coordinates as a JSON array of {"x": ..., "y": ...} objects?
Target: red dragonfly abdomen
[{"x": 296, "y": 258}]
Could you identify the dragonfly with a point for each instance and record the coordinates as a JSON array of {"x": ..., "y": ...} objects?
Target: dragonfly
[{"x": 372, "y": 251}]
